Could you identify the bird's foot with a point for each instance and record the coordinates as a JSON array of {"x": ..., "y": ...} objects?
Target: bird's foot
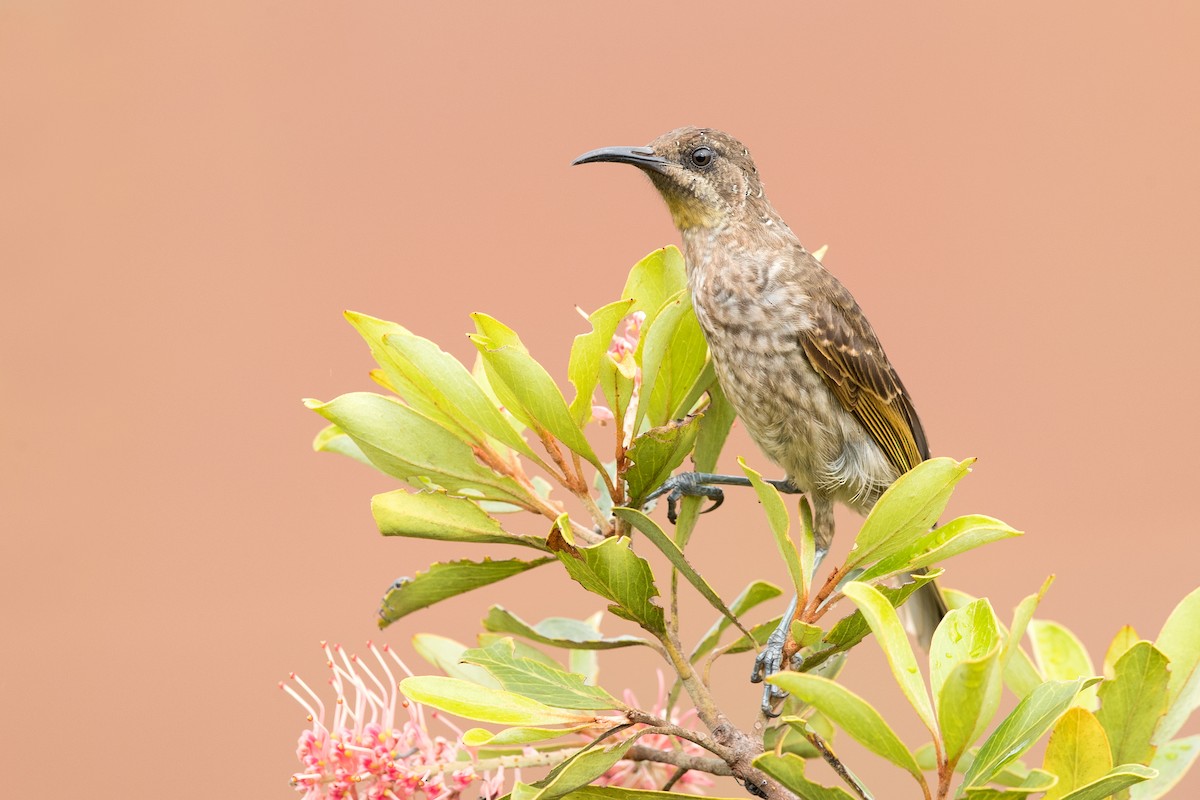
[
  {"x": 702, "y": 484},
  {"x": 686, "y": 484},
  {"x": 768, "y": 662}
]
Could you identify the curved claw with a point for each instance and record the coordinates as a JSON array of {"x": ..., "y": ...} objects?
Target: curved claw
[
  {"x": 683, "y": 485},
  {"x": 717, "y": 497}
]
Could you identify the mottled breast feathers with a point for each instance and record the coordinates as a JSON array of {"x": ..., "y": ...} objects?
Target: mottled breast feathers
[{"x": 845, "y": 352}]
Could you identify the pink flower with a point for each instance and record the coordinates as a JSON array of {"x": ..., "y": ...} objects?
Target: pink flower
[{"x": 365, "y": 749}]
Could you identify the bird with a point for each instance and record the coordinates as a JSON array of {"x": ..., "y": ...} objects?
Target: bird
[{"x": 792, "y": 350}]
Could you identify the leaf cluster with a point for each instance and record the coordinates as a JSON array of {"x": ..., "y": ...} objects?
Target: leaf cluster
[{"x": 496, "y": 455}]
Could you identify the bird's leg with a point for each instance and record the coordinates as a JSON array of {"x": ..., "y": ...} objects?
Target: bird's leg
[
  {"x": 704, "y": 484},
  {"x": 770, "y": 660}
]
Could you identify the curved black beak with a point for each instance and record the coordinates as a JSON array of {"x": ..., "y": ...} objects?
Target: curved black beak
[{"x": 640, "y": 157}]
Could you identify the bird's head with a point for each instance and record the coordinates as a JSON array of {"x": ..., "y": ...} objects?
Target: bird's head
[{"x": 706, "y": 176}]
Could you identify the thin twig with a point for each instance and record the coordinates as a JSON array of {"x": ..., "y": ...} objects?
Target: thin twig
[
  {"x": 832, "y": 760},
  {"x": 671, "y": 781},
  {"x": 660, "y": 725}
]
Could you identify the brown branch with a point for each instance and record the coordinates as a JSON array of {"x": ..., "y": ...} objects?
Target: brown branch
[{"x": 678, "y": 758}]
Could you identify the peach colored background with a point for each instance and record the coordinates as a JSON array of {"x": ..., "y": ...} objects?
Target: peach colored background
[{"x": 192, "y": 192}]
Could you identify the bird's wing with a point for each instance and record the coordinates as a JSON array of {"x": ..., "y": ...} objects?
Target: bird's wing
[{"x": 845, "y": 351}]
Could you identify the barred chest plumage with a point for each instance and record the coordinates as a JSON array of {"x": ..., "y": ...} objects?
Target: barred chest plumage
[{"x": 751, "y": 308}]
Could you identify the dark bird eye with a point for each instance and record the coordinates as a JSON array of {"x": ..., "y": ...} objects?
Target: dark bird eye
[{"x": 702, "y": 156}]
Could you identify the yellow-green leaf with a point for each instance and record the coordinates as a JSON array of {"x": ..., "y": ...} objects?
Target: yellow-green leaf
[
  {"x": 570, "y": 634},
  {"x": 885, "y": 624},
  {"x": 537, "y": 680},
  {"x": 852, "y": 714},
  {"x": 442, "y": 517},
  {"x": 405, "y": 444},
  {"x": 907, "y": 510},
  {"x": 525, "y": 388},
  {"x": 780, "y": 522},
  {"x": 1172, "y": 761},
  {"x": 1126, "y": 638},
  {"x": 1061, "y": 656},
  {"x": 788, "y": 769},
  {"x": 1077, "y": 752},
  {"x": 587, "y": 351},
  {"x": 1028, "y": 722},
  {"x": 483, "y": 704},
  {"x": 1179, "y": 641},
  {"x": 1132, "y": 703}
]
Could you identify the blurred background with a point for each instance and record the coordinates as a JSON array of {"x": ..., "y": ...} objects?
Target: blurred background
[{"x": 192, "y": 193}]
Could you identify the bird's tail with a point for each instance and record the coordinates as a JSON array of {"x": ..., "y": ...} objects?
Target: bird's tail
[{"x": 924, "y": 610}]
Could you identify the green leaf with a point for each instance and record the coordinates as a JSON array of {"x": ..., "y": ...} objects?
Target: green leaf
[
  {"x": 617, "y": 382},
  {"x": 1020, "y": 674},
  {"x": 673, "y": 354},
  {"x": 964, "y": 659},
  {"x": 1061, "y": 656},
  {"x": 524, "y": 650},
  {"x": 806, "y": 634},
  {"x": 788, "y": 769},
  {"x": 885, "y": 623},
  {"x": 587, "y": 351},
  {"x": 1077, "y": 752},
  {"x": 1132, "y": 703},
  {"x": 536, "y": 680},
  {"x": 852, "y": 629},
  {"x": 939, "y": 544},
  {"x": 714, "y": 430},
  {"x": 757, "y": 638},
  {"x": 479, "y": 737},
  {"x": 405, "y": 444},
  {"x": 852, "y": 714},
  {"x": 436, "y": 384},
  {"x": 780, "y": 522},
  {"x": 1120, "y": 779},
  {"x": 445, "y": 580},
  {"x": 333, "y": 439},
  {"x": 1172, "y": 761},
  {"x": 613, "y": 571},
  {"x": 655, "y": 455},
  {"x": 907, "y": 510},
  {"x": 1035, "y": 782},
  {"x": 1178, "y": 640},
  {"x": 655, "y": 278},
  {"x": 753, "y": 595},
  {"x": 446, "y": 655},
  {"x": 557, "y": 631},
  {"x": 442, "y": 517},
  {"x": 621, "y": 793},
  {"x": 1126, "y": 638},
  {"x": 808, "y": 545},
  {"x": 663, "y": 542},
  {"x": 1027, "y": 723},
  {"x": 580, "y": 770},
  {"x": 525, "y": 388},
  {"x": 483, "y": 704}
]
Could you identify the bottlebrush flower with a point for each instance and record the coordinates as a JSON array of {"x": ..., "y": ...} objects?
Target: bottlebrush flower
[{"x": 364, "y": 750}]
